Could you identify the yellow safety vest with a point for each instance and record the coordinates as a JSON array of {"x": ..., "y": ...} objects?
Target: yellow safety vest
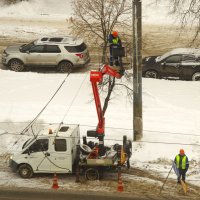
[
  {"x": 115, "y": 40},
  {"x": 183, "y": 162}
]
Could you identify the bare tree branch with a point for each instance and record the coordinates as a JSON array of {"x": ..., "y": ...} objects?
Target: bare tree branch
[
  {"x": 188, "y": 12},
  {"x": 95, "y": 19}
]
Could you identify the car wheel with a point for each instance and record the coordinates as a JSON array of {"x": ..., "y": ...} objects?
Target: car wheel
[
  {"x": 92, "y": 174},
  {"x": 16, "y": 65},
  {"x": 65, "y": 67},
  {"x": 25, "y": 171},
  {"x": 151, "y": 74},
  {"x": 196, "y": 76}
]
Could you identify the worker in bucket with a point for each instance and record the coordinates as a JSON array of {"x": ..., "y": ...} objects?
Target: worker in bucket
[
  {"x": 182, "y": 164},
  {"x": 115, "y": 44}
]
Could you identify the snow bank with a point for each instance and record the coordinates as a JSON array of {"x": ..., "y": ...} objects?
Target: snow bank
[
  {"x": 58, "y": 10},
  {"x": 171, "y": 114},
  {"x": 40, "y": 9}
]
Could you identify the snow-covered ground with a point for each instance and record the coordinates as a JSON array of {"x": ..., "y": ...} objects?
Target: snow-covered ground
[
  {"x": 15, "y": 18},
  {"x": 171, "y": 112},
  {"x": 38, "y": 9},
  {"x": 171, "y": 115},
  {"x": 153, "y": 13}
]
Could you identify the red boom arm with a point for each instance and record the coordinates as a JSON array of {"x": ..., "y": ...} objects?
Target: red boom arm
[{"x": 96, "y": 77}]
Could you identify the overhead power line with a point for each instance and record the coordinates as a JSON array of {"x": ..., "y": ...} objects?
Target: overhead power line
[
  {"x": 32, "y": 122},
  {"x": 115, "y": 128},
  {"x": 37, "y": 116}
]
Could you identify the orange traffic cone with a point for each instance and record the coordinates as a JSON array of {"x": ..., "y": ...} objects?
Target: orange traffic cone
[
  {"x": 55, "y": 182},
  {"x": 120, "y": 187}
]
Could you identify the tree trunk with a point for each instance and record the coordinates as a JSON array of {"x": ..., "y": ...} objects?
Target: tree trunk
[
  {"x": 104, "y": 52},
  {"x": 110, "y": 89}
]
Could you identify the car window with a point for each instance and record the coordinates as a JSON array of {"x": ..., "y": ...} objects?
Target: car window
[
  {"x": 162, "y": 57},
  {"x": 173, "y": 59},
  {"x": 39, "y": 145},
  {"x": 77, "y": 48},
  {"x": 37, "y": 49},
  {"x": 56, "y": 39},
  {"x": 27, "y": 47},
  {"x": 52, "y": 49},
  {"x": 188, "y": 58},
  {"x": 60, "y": 145}
]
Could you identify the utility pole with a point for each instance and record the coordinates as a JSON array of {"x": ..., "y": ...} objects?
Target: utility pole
[{"x": 137, "y": 69}]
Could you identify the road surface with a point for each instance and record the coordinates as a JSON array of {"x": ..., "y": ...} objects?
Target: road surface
[{"x": 7, "y": 194}]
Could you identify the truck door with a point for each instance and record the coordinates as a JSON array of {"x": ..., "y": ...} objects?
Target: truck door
[
  {"x": 38, "y": 156},
  {"x": 61, "y": 156}
]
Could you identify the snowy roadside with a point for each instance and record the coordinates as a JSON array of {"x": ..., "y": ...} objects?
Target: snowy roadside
[
  {"x": 29, "y": 29},
  {"x": 170, "y": 111},
  {"x": 169, "y": 107}
]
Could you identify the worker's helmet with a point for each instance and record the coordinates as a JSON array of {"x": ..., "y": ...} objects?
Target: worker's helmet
[
  {"x": 182, "y": 152},
  {"x": 115, "y": 33}
]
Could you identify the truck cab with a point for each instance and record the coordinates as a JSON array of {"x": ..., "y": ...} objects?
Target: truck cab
[{"x": 53, "y": 150}]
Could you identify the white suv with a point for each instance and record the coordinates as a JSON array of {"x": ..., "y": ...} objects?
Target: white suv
[{"x": 65, "y": 53}]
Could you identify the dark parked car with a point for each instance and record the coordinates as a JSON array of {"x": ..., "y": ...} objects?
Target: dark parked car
[{"x": 183, "y": 63}]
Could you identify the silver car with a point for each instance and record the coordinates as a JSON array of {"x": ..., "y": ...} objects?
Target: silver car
[{"x": 65, "y": 53}]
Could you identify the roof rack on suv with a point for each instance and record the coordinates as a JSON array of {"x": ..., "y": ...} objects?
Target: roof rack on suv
[
  {"x": 54, "y": 39},
  {"x": 64, "y": 39}
]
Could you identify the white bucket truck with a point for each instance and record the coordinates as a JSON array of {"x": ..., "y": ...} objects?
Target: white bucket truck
[
  {"x": 51, "y": 151},
  {"x": 58, "y": 150}
]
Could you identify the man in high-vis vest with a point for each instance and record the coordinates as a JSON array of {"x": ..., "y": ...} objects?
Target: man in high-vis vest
[
  {"x": 115, "y": 42},
  {"x": 182, "y": 164}
]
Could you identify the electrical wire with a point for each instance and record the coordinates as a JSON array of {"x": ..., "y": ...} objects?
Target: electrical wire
[
  {"x": 153, "y": 142},
  {"x": 120, "y": 128},
  {"x": 32, "y": 122},
  {"x": 75, "y": 96},
  {"x": 141, "y": 141},
  {"x": 26, "y": 128},
  {"x": 37, "y": 116},
  {"x": 45, "y": 154}
]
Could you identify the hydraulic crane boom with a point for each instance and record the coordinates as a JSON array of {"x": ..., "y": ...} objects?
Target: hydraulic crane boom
[{"x": 96, "y": 77}]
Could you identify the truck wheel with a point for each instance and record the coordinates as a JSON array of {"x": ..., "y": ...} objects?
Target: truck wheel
[
  {"x": 65, "y": 67},
  {"x": 25, "y": 171},
  {"x": 16, "y": 65},
  {"x": 92, "y": 174}
]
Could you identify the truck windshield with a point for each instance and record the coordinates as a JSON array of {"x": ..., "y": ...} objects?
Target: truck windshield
[{"x": 27, "y": 142}]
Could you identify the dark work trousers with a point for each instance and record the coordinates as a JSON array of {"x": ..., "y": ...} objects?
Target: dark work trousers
[
  {"x": 182, "y": 173},
  {"x": 115, "y": 60}
]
